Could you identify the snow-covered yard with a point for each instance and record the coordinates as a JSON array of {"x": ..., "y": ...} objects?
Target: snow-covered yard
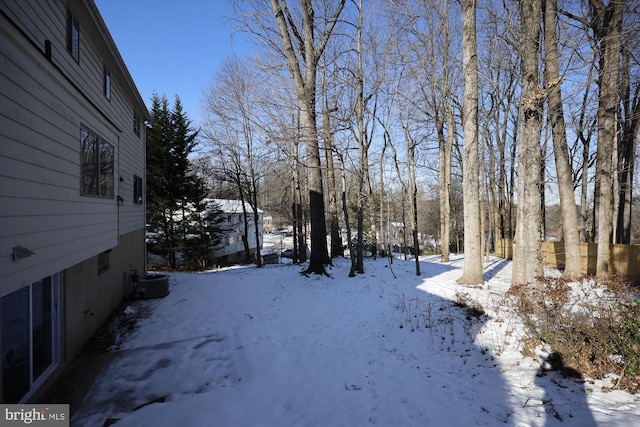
[{"x": 270, "y": 347}]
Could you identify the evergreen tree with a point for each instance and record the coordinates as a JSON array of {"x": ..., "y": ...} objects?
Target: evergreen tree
[
  {"x": 177, "y": 211},
  {"x": 203, "y": 233},
  {"x": 159, "y": 203}
]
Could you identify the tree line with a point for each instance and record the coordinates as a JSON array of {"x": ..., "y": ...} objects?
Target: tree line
[{"x": 351, "y": 115}]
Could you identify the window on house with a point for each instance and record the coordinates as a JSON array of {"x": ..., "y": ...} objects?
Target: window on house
[
  {"x": 136, "y": 124},
  {"x": 103, "y": 261},
  {"x": 107, "y": 83},
  {"x": 137, "y": 189},
  {"x": 97, "y": 165},
  {"x": 73, "y": 36}
]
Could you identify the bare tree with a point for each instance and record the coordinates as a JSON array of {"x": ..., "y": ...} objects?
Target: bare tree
[
  {"x": 381, "y": 211},
  {"x": 432, "y": 29},
  {"x": 444, "y": 150},
  {"x": 472, "y": 270},
  {"x": 361, "y": 135},
  {"x": 527, "y": 254},
  {"x": 232, "y": 108},
  {"x": 410, "y": 75},
  {"x": 630, "y": 118},
  {"x": 606, "y": 21},
  {"x": 334, "y": 224},
  {"x": 499, "y": 111},
  {"x": 410, "y": 188},
  {"x": 364, "y": 76},
  {"x": 345, "y": 210},
  {"x": 573, "y": 263},
  {"x": 585, "y": 127},
  {"x": 302, "y": 55},
  {"x": 331, "y": 94},
  {"x": 299, "y": 236}
]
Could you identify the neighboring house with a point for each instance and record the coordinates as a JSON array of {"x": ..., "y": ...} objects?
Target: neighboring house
[
  {"x": 268, "y": 224},
  {"x": 400, "y": 242},
  {"x": 396, "y": 232},
  {"x": 72, "y": 168},
  {"x": 232, "y": 246}
]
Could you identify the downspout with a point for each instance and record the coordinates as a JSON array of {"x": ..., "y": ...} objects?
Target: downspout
[
  {"x": 119, "y": 199},
  {"x": 144, "y": 199}
]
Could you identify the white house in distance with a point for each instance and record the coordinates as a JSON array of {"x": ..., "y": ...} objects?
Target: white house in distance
[
  {"x": 231, "y": 250},
  {"x": 72, "y": 168}
]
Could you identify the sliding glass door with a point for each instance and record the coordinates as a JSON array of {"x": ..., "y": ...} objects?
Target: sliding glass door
[{"x": 30, "y": 337}]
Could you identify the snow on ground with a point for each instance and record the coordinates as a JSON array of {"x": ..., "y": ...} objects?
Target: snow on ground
[{"x": 270, "y": 347}]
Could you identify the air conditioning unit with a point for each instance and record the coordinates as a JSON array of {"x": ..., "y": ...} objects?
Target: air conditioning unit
[{"x": 153, "y": 286}]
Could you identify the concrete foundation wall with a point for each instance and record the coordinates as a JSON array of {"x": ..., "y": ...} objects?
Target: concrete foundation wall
[{"x": 90, "y": 296}]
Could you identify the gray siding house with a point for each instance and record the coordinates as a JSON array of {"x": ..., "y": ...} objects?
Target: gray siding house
[
  {"x": 231, "y": 249},
  {"x": 72, "y": 168}
]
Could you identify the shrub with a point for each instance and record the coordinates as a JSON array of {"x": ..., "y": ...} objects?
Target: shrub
[
  {"x": 629, "y": 338},
  {"x": 593, "y": 327}
]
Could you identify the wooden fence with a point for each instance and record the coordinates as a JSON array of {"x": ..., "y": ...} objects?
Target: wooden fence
[{"x": 624, "y": 260}]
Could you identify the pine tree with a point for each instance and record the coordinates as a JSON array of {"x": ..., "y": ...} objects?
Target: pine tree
[
  {"x": 159, "y": 203},
  {"x": 177, "y": 210},
  {"x": 203, "y": 233}
]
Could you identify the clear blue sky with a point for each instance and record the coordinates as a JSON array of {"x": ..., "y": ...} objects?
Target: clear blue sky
[{"x": 172, "y": 47}]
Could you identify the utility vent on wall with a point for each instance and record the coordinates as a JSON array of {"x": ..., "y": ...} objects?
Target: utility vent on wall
[{"x": 153, "y": 286}]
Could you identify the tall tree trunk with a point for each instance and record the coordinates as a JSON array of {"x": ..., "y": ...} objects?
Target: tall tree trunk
[
  {"x": 483, "y": 201},
  {"x": 586, "y": 236},
  {"x": 363, "y": 166},
  {"x": 245, "y": 225},
  {"x": 345, "y": 211},
  {"x": 568, "y": 208},
  {"x": 584, "y": 133},
  {"x": 502, "y": 199},
  {"x": 405, "y": 193},
  {"x": 527, "y": 255},
  {"x": 373, "y": 244},
  {"x": 381, "y": 227},
  {"x": 411, "y": 193},
  {"x": 444, "y": 178},
  {"x": 363, "y": 138},
  {"x": 252, "y": 184},
  {"x": 414, "y": 206},
  {"x": 334, "y": 228},
  {"x": 607, "y": 26},
  {"x": 299, "y": 238},
  {"x": 543, "y": 163},
  {"x": 305, "y": 84},
  {"x": 630, "y": 124},
  {"x": 319, "y": 253},
  {"x": 258, "y": 234},
  {"x": 512, "y": 186},
  {"x": 494, "y": 197},
  {"x": 472, "y": 270},
  {"x": 505, "y": 181},
  {"x": 302, "y": 228}
]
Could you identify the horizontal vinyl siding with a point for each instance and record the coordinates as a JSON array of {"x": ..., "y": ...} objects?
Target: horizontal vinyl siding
[
  {"x": 120, "y": 109},
  {"x": 131, "y": 163},
  {"x": 42, "y": 214},
  {"x": 40, "y": 118},
  {"x": 40, "y": 19},
  {"x": 39, "y": 138}
]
